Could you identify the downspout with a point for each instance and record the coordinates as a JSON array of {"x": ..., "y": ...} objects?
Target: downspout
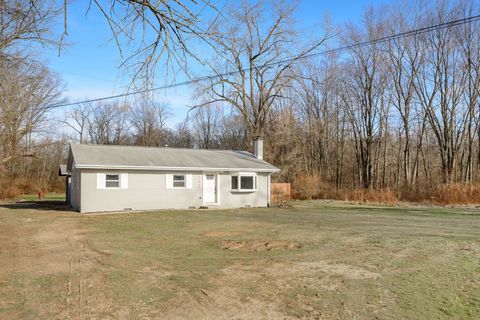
[{"x": 268, "y": 190}]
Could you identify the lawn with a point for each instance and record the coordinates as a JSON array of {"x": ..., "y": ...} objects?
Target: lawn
[
  {"x": 47, "y": 197},
  {"x": 316, "y": 260}
]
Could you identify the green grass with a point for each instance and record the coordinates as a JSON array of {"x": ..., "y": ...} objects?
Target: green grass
[
  {"x": 354, "y": 261},
  {"x": 48, "y": 196}
]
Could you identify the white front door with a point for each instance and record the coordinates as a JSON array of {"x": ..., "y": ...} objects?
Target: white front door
[{"x": 209, "y": 188}]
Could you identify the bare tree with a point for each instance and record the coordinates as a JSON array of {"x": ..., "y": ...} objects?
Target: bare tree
[
  {"x": 147, "y": 32},
  {"x": 206, "y": 125},
  {"x": 439, "y": 84},
  {"x": 363, "y": 93},
  {"x": 255, "y": 57},
  {"x": 78, "y": 119},
  {"x": 26, "y": 95},
  {"x": 404, "y": 59},
  {"x": 23, "y": 22},
  {"x": 108, "y": 123},
  {"x": 147, "y": 120},
  {"x": 180, "y": 137},
  {"x": 318, "y": 110},
  {"x": 470, "y": 53},
  {"x": 233, "y": 133}
]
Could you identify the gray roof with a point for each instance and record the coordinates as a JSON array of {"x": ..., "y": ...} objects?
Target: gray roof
[{"x": 152, "y": 158}]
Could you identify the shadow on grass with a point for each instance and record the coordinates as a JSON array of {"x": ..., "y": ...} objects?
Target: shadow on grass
[{"x": 56, "y": 205}]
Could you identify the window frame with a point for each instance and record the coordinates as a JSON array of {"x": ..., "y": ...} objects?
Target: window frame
[
  {"x": 239, "y": 176},
  {"x": 118, "y": 180},
  {"x": 184, "y": 180}
]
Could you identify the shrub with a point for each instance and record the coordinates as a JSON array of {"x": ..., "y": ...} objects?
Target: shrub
[
  {"x": 58, "y": 186},
  {"x": 383, "y": 196},
  {"x": 11, "y": 188},
  {"x": 10, "y": 192},
  {"x": 312, "y": 187},
  {"x": 26, "y": 186},
  {"x": 457, "y": 194}
]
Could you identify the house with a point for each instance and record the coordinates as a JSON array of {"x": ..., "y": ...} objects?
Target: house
[{"x": 118, "y": 178}]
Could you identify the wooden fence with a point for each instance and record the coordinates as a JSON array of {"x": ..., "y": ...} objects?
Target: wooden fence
[{"x": 280, "y": 192}]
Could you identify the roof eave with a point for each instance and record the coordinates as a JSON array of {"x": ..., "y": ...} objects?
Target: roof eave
[{"x": 161, "y": 168}]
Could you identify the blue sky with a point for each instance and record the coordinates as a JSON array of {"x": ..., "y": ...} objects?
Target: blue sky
[{"x": 89, "y": 65}]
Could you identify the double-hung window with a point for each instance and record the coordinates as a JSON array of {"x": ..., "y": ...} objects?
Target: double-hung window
[
  {"x": 179, "y": 181},
  {"x": 244, "y": 182},
  {"x": 112, "y": 181}
]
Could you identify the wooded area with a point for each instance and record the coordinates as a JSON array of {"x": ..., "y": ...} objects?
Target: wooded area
[{"x": 398, "y": 116}]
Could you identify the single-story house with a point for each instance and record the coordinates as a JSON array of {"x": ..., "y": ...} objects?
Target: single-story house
[{"x": 118, "y": 178}]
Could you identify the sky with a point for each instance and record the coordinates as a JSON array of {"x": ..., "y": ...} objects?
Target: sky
[{"x": 89, "y": 63}]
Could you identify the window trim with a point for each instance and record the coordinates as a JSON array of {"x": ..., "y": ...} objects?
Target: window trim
[
  {"x": 184, "y": 181},
  {"x": 102, "y": 180},
  {"x": 239, "y": 176},
  {"x": 119, "y": 180}
]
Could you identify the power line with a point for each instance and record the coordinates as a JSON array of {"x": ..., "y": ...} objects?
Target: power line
[{"x": 419, "y": 31}]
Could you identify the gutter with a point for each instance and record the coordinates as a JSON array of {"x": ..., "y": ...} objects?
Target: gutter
[{"x": 160, "y": 168}]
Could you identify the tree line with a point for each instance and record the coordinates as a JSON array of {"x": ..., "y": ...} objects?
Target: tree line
[
  {"x": 402, "y": 113},
  {"x": 399, "y": 114}
]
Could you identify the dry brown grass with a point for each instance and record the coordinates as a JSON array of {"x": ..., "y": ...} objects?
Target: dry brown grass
[
  {"x": 456, "y": 194},
  {"x": 12, "y": 188},
  {"x": 57, "y": 185},
  {"x": 27, "y": 186},
  {"x": 9, "y": 191},
  {"x": 307, "y": 187},
  {"x": 383, "y": 196}
]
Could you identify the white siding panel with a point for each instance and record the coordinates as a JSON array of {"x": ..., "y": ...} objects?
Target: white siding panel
[
  {"x": 189, "y": 181},
  {"x": 100, "y": 180},
  {"x": 169, "y": 181},
  {"x": 124, "y": 181}
]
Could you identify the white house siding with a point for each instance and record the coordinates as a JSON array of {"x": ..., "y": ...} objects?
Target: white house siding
[
  {"x": 147, "y": 191},
  {"x": 230, "y": 199},
  {"x": 75, "y": 189}
]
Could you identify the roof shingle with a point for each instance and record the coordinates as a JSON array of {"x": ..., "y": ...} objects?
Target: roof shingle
[{"x": 128, "y": 157}]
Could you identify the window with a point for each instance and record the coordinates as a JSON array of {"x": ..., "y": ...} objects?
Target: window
[
  {"x": 234, "y": 182},
  {"x": 178, "y": 181},
  {"x": 247, "y": 182},
  {"x": 244, "y": 182},
  {"x": 112, "y": 181}
]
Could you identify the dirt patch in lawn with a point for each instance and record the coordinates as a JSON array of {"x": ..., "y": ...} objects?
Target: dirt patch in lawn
[
  {"x": 52, "y": 256},
  {"x": 344, "y": 270},
  {"x": 256, "y": 290},
  {"x": 223, "y": 303},
  {"x": 221, "y": 234},
  {"x": 260, "y": 245}
]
